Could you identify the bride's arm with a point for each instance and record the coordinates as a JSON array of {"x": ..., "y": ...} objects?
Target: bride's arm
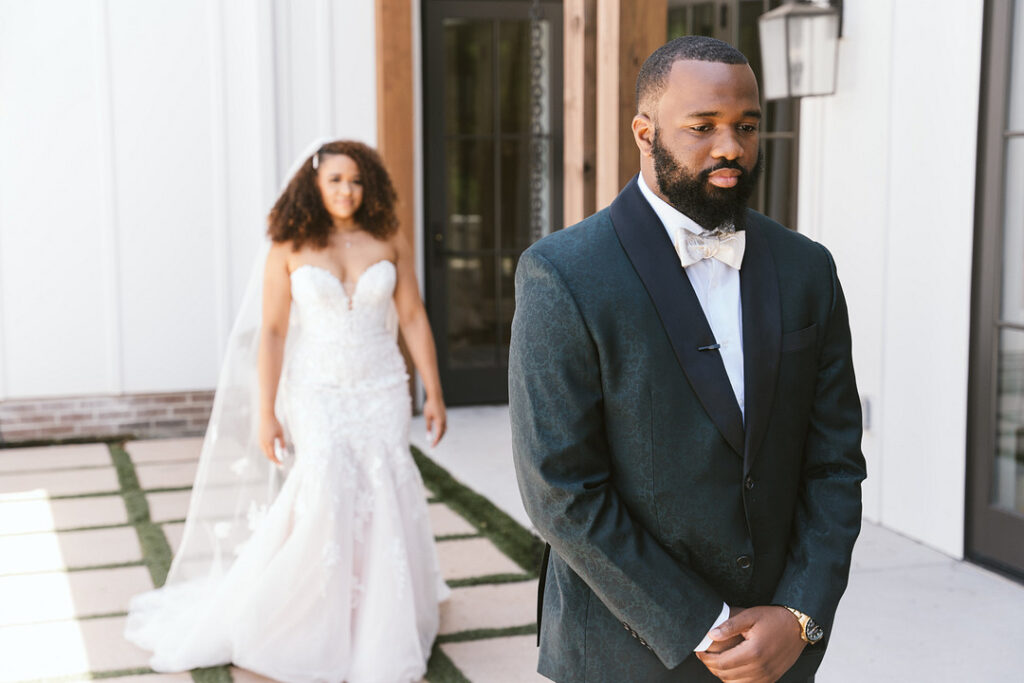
[
  {"x": 415, "y": 327},
  {"x": 277, "y": 300}
]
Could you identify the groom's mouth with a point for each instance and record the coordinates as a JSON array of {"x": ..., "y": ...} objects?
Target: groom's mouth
[{"x": 725, "y": 177}]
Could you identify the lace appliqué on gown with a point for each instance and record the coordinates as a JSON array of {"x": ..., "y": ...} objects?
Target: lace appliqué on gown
[{"x": 339, "y": 580}]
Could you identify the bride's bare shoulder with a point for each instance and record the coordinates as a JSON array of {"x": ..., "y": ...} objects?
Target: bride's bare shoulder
[
  {"x": 279, "y": 255},
  {"x": 399, "y": 244}
]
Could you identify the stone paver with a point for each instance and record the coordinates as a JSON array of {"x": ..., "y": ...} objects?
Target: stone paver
[
  {"x": 173, "y": 533},
  {"x": 164, "y": 450},
  {"x": 54, "y": 457},
  {"x": 46, "y": 552},
  {"x": 60, "y": 482},
  {"x": 166, "y": 475},
  {"x": 507, "y": 605},
  {"x": 26, "y": 515},
  {"x": 168, "y": 505},
  {"x": 471, "y": 557},
  {"x": 496, "y": 660},
  {"x": 446, "y": 522},
  {"x": 53, "y": 596},
  {"x": 64, "y": 648}
]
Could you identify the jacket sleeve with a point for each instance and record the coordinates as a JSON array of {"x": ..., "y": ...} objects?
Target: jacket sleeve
[
  {"x": 828, "y": 513},
  {"x": 564, "y": 471}
]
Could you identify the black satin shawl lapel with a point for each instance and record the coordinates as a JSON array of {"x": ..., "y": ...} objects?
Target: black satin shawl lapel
[
  {"x": 762, "y": 336},
  {"x": 650, "y": 250}
]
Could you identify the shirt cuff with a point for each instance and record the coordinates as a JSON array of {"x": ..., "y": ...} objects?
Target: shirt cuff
[{"x": 706, "y": 643}]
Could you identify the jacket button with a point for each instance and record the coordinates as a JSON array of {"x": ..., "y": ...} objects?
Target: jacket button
[
  {"x": 743, "y": 562},
  {"x": 748, "y": 483}
]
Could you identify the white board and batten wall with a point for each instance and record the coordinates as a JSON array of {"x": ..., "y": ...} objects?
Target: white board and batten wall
[
  {"x": 141, "y": 146},
  {"x": 888, "y": 169}
]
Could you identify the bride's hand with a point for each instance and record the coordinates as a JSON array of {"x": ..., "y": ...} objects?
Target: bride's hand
[
  {"x": 270, "y": 430},
  {"x": 434, "y": 416}
]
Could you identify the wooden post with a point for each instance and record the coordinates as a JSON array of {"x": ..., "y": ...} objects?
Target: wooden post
[
  {"x": 395, "y": 105},
  {"x": 627, "y": 32},
  {"x": 580, "y": 74},
  {"x": 395, "y": 121}
]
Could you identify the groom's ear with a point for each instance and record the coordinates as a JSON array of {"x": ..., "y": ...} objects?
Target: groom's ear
[{"x": 643, "y": 133}]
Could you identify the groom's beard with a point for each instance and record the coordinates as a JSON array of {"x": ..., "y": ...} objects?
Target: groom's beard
[{"x": 712, "y": 208}]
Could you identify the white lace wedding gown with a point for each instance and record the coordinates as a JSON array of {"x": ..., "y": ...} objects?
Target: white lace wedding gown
[{"x": 339, "y": 581}]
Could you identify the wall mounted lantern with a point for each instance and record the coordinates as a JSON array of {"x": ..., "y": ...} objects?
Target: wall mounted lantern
[{"x": 799, "y": 45}]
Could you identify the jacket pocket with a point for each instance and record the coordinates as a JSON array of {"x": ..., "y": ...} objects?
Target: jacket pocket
[{"x": 800, "y": 339}]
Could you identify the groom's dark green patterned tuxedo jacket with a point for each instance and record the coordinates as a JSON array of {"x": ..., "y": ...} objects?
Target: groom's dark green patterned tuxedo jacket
[{"x": 635, "y": 463}]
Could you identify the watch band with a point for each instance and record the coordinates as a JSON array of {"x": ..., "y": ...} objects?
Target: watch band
[{"x": 810, "y": 632}]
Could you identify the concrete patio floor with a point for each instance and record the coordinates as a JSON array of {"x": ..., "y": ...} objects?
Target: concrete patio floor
[{"x": 910, "y": 614}]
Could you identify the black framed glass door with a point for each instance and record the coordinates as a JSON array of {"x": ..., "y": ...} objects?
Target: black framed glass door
[
  {"x": 995, "y": 524},
  {"x": 492, "y": 139}
]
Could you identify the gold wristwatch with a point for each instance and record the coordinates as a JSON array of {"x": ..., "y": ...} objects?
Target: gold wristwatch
[{"x": 809, "y": 630}]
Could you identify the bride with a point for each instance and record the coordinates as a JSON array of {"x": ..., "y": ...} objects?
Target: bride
[{"x": 334, "y": 576}]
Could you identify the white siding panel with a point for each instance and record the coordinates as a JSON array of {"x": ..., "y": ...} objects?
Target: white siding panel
[
  {"x": 844, "y": 201},
  {"x": 930, "y": 235},
  {"x": 53, "y": 306},
  {"x": 355, "y": 71},
  {"x": 248, "y": 161},
  {"x": 163, "y": 115},
  {"x": 141, "y": 147}
]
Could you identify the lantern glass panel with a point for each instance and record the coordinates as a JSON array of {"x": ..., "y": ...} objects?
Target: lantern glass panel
[
  {"x": 812, "y": 54},
  {"x": 774, "y": 74}
]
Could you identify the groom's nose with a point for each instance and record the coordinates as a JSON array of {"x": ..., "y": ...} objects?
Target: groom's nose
[{"x": 727, "y": 145}]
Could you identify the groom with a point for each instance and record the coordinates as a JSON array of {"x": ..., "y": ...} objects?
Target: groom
[{"x": 686, "y": 424}]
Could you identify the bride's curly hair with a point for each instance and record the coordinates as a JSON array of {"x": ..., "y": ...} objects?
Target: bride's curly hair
[{"x": 299, "y": 216}]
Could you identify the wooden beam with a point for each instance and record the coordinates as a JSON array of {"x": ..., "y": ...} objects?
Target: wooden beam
[
  {"x": 580, "y": 108},
  {"x": 395, "y": 104},
  {"x": 395, "y": 121},
  {"x": 627, "y": 31}
]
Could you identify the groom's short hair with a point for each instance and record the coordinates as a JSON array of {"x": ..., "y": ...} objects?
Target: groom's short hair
[{"x": 650, "y": 82}]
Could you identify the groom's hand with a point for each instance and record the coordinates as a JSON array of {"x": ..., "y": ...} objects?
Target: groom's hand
[
  {"x": 724, "y": 644},
  {"x": 771, "y": 644}
]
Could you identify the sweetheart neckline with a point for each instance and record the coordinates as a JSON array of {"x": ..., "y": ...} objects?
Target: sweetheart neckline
[{"x": 341, "y": 284}]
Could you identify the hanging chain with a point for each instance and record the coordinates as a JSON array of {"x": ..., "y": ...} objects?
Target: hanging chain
[{"x": 538, "y": 134}]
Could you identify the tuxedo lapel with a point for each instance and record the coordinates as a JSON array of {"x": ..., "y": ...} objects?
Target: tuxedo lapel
[
  {"x": 762, "y": 336},
  {"x": 649, "y": 249}
]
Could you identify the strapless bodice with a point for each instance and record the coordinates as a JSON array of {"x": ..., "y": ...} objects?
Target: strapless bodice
[{"x": 345, "y": 339}]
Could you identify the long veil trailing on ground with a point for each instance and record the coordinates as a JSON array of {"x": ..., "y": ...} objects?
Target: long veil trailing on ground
[{"x": 235, "y": 483}]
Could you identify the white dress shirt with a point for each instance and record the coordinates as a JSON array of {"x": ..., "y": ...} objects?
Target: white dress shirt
[{"x": 718, "y": 289}]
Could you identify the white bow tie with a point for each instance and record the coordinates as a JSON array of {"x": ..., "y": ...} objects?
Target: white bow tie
[{"x": 727, "y": 248}]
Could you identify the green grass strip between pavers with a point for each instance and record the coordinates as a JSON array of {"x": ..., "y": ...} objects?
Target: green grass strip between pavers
[
  {"x": 440, "y": 668},
  {"x": 489, "y": 579},
  {"x": 88, "y": 676},
  {"x": 517, "y": 543},
  {"x": 484, "y": 633}
]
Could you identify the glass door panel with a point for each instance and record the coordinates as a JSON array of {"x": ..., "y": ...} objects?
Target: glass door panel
[
  {"x": 995, "y": 523},
  {"x": 1008, "y": 472},
  {"x": 492, "y": 139}
]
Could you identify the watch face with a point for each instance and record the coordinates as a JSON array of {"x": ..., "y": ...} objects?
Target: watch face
[{"x": 813, "y": 631}]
